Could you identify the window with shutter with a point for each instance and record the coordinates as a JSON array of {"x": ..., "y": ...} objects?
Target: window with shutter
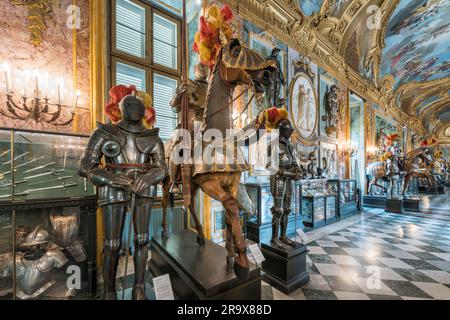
[
  {"x": 164, "y": 88},
  {"x": 128, "y": 75},
  {"x": 165, "y": 38},
  {"x": 130, "y": 28}
]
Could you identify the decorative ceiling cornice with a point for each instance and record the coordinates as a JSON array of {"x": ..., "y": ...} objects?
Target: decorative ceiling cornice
[{"x": 284, "y": 20}]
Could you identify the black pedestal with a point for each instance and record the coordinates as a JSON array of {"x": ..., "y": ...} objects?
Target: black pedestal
[
  {"x": 285, "y": 269},
  {"x": 394, "y": 205},
  {"x": 374, "y": 202},
  {"x": 412, "y": 205},
  {"x": 200, "y": 272}
]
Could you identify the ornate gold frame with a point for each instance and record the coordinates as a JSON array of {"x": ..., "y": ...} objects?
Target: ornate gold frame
[{"x": 306, "y": 140}]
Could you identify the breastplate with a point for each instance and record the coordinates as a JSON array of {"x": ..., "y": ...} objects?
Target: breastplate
[
  {"x": 34, "y": 274},
  {"x": 129, "y": 154},
  {"x": 65, "y": 229},
  {"x": 286, "y": 157}
]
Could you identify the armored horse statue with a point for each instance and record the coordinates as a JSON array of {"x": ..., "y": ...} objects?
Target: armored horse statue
[
  {"x": 389, "y": 170},
  {"x": 413, "y": 169},
  {"x": 234, "y": 66}
]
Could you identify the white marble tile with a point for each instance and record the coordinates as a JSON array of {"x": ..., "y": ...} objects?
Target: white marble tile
[
  {"x": 338, "y": 238},
  {"x": 381, "y": 235},
  {"x": 345, "y": 260},
  {"x": 435, "y": 290},
  {"x": 355, "y": 251},
  {"x": 389, "y": 274},
  {"x": 394, "y": 263},
  {"x": 439, "y": 276},
  {"x": 327, "y": 244},
  {"x": 444, "y": 256},
  {"x": 316, "y": 250},
  {"x": 351, "y": 295},
  {"x": 443, "y": 265},
  {"x": 368, "y": 286},
  {"x": 327, "y": 269},
  {"x": 414, "y": 298}
]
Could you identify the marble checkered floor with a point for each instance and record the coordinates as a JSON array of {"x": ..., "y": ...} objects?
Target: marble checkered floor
[{"x": 379, "y": 256}]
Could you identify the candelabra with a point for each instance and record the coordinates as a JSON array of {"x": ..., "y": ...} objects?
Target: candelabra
[
  {"x": 349, "y": 149},
  {"x": 37, "y": 109},
  {"x": 372, "y": 153}
]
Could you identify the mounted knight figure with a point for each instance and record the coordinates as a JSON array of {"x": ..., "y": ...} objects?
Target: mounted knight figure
[
  {"x": 218, "y": 176},
  {"x": 418, "y": 162},
  {"x": 390, "y": 168}
]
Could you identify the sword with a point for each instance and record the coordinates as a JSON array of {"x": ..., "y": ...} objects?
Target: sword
[
  {"x": 24, "y": 164},
  {"x": 63, "y": 186},
  {"x": 131, "y": 213},
  {"x": 60, "y": 179},
  {"x": 5, "y": 153},
  {"x": 16, "y": 195},
  {"x": 16, "y": 158},
  {"x": 41, "y": 167},
  {"x": 10, "y": 184},
  {"x": 53, "y": 172}
]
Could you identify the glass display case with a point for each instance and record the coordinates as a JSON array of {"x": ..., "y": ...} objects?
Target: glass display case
[
  {"x": 36, "y": 166},
  {"x": 47, "y": 218},
  {"x": 259, "y": 226},
  {"x": 320, "y": 203},
  {"x": 349, "y": 196}
]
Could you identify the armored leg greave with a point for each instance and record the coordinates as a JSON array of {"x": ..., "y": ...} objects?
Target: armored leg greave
[
  {"x": 113, "y": 220},
  {"x": 141, "y": 227}
]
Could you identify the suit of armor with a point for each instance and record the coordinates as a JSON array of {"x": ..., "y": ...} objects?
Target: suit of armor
[
  {"x": 281, "y": 186},
  {"x": 134, "y": 164},
  {"x": 196, "y": 91}
]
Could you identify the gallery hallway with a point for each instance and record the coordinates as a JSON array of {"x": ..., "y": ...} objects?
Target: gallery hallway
[{"x": 380, "y": 255}]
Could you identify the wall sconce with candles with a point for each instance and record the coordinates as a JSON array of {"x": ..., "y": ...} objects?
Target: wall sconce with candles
[
  {"x": 349, "y": 149},
  {"x": 37, "y": 106},
  {"x": 373, "y": 153}
]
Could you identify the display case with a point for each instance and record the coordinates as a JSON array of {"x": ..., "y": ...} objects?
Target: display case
[
  {"x": 47, "y": 218},
  {"x": 259, "y": 226},
  {"x": 349, "y": 196},
  {"x": 320, "y": 202}
]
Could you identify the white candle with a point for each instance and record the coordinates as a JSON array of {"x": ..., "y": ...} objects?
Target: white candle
[
  {"x": 27, "y": 79},
  {"x": 59, "y": 92},
  {"x": 76, "y": 101},
  {"x": 36, "y": 79},
  {"x": 7, "y": 78}
]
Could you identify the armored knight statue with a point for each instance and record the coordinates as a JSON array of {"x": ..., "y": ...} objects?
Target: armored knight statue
[
  {"x": 278, "y": 80},
  {"x": 331, "y": 109},
  {"x": 196, "y": 91},
  {"x": 281, "y": 185},
  {"x": 134, "y": 165}
]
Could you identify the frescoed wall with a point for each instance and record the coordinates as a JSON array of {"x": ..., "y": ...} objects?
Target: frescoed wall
[{"x": 417, "y": 41}]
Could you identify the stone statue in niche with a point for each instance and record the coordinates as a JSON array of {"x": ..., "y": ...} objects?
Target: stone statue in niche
[
  {"x": 332, "y": 109},
  {"x": 278, "y": 80}
]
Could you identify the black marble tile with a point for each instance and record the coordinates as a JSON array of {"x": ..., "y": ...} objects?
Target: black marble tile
[
  {"x": 414, "y": 275},
  {"x": 311, "y": 294},
  {"x": 405, "y": 289},
  {"x": 321, "y": 258},
  {"x": 420, "y": 264},
  {"x": 430, "y": 249},
  {"x": 312, "y": 269},
  {"x": 266, "y": 292},
  {"x": 342, "y": 284},
  {"x": 426, "y": 256},
  {"x": 383, "y": 297},
  {"x": 346, "y": 244}
]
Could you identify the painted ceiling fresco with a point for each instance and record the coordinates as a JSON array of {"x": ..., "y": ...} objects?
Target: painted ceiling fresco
[
  {"x": 417, "y": 41},
  {"x": 309, "y": 7}
]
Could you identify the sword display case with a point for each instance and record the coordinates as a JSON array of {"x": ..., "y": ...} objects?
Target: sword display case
[{"x": 47, "y": 218}]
